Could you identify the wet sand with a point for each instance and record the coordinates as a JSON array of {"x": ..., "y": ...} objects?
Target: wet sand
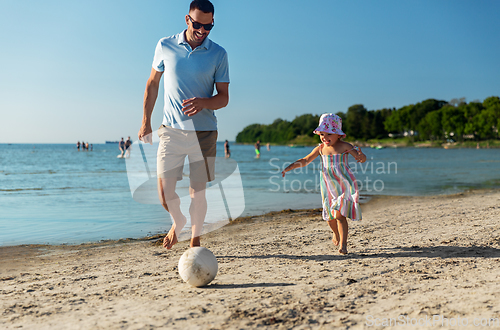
[{"x": 411, "y": 259}]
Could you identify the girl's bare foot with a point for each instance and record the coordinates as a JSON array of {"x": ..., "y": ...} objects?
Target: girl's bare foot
[
  {"x": 170, "y": 239},
  {"x": 343, "y": 249},
  {"x": 336, "y": 236},
  {"x": 335, "y": 239}
]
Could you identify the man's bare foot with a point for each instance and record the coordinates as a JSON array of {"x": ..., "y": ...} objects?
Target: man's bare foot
[
  {"x": 170, "y": 239},
  {"x": 195, "y": 241},
  {"x": 343, "y": 249}
]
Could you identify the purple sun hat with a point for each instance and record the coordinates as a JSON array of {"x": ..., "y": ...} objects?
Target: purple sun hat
[{"x": 330, "y": 123}]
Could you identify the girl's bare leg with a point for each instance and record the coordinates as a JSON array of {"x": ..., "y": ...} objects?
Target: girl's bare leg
[
  {"x": 333, "y": 226},
  {"x": 343, "y": 230}
]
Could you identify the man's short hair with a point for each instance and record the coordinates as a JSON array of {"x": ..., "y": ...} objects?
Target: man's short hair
[{"x": 203, "y": 5}]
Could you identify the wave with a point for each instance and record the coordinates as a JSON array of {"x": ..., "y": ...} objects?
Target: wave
[
  {"x": 66, "y": 172},
  {"x": 39, "y": 189},
  {"x": 20, "y": 189},
  {"x": 28, "y": 173}
]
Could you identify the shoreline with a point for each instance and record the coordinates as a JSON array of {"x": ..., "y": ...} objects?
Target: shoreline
[
  {"x": 413, "y": 256},
  {"x": 185, "y": 234}
]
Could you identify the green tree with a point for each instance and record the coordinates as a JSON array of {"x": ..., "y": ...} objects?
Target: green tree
[
  {"x": 490, "y": 121},
  {"x": 432, "y": 119},
  {"x": 453, "y": 121},
  {"x": 421, "y": 109},
  {"x": 306, "y": 124},
  {"x": 249, "y": 133},
  {"x": 280, "y": 131},
  {"x": 393, "y": 123},
  {"x": 471, "y": 113},
  {"x": 355, "y": 123},
  {"x": 431, "y": 127},
  {"x": 377, "y": 127}
]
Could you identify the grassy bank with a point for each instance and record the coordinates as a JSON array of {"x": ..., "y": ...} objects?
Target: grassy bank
[
  {"x": 407, "y": 142},
  {"x": 304, "y": 140}
]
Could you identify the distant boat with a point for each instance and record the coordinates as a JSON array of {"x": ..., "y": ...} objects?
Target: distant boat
[
  {"x": 111, "y": 142},
  {"x": 377, "y": 147}
]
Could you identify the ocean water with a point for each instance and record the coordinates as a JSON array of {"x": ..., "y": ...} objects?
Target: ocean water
[{"x": 54, "y": 194}]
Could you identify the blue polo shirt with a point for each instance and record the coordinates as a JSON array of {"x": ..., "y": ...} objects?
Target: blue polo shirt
[{"x": 189, "y": 73}]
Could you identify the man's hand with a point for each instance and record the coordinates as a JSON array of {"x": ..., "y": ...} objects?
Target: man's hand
[
  {"x": 145, "y": 134},
  {"x": 192, "y": 106}
]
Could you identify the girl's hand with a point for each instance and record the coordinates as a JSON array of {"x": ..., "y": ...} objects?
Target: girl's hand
[
  {"x": 359, "y": 155},
  {"x": 288, "y": 168}
]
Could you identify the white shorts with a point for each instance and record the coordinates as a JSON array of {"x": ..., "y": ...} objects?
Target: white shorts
[{"x": 176, "y": 144}]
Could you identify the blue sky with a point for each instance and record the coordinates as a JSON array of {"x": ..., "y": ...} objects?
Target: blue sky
[{"x": 73, "y": 70}]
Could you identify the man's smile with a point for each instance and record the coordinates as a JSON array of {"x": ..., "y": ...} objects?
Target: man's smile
[{"x": 199, "y": 35}]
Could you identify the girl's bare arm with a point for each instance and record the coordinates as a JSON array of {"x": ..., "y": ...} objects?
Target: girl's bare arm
[
  {"x": 358, "y": 154},
  {"x": 303, "y": 161}
]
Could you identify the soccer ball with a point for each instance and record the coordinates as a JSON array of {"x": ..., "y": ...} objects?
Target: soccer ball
[{"x": 198, "y": 266}]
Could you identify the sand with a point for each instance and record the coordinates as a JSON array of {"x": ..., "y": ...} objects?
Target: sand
[{"x": 431, "y": 261}]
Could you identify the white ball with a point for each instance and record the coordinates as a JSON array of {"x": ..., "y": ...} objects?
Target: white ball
[{"x": 198, "y": 266}]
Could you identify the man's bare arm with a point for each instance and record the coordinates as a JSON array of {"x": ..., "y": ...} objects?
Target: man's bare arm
[{"x": 150, "y": 95}]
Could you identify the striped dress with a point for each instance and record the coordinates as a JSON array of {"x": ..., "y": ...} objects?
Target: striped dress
[{"x": 339, "y": 188}]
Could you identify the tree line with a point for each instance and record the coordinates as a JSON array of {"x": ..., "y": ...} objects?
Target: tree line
[{"x": 431, "y": 119}]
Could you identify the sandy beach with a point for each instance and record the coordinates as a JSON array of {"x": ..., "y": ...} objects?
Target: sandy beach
[{"x": 421, "y": 262}]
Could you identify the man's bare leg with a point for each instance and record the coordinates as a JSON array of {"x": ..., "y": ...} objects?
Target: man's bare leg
[
  {"x": 172, "y": 203},
  {"x": 197, "y": 210}
]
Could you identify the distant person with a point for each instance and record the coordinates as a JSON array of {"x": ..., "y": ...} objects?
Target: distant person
[
  {"x": 268, "y": 145},
  {"x": 128, "y": 143},
  {"x": 87, "y": 146},
  {"x": 121, "y": 146},
  {"x": 257, "y": 149},
  {"x": 83, "y": 145},
  {"x": 91, "y": 147},
  {"x": 227, "y": 152},
  {"x": 78, "y": 145},
  {"x": 194, "y": 67},
  {"x": 339, "y": 188}
]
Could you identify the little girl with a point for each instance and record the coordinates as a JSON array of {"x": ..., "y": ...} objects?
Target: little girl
[{"x": 339, "y": 189}]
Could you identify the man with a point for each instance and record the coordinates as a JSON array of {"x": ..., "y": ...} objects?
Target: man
[
  {"x": 121, "y": 146},
  {"x": 193, "y": 65},
  {"x": 128, "y": 143},
  {"x": 257, "y": 149},
  {"x": 227, "y": 152}
]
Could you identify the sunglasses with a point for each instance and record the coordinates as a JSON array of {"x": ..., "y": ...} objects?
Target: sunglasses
[{"x": 198, "y": 26}]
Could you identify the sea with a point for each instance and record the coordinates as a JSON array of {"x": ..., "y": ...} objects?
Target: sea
[{"x": 55, "y": 194}]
